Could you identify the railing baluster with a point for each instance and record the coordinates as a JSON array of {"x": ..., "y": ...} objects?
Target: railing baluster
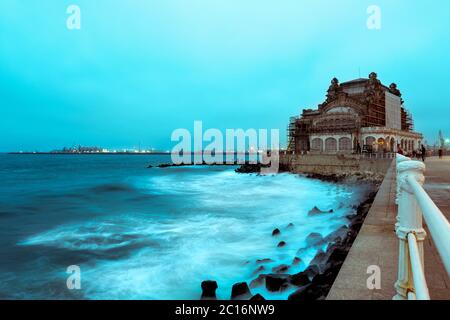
[
  {"x": 419, "y": 282},
  {"x": 413, "y": 204},
  {"x": 437, "y": 223},
  {"x": 409, "y": 220}
]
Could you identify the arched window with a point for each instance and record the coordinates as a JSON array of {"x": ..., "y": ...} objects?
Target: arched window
[
  {"x": 317, "y": 144},
  {"x": 370, "y": 141},
  {"x": 345, "y": 144},
  {"x": 330, "y": 145},
  {"x": 381, "y": 145}
]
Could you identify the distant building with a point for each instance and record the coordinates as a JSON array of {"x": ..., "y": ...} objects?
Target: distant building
[{"x": 358, "y": 115}]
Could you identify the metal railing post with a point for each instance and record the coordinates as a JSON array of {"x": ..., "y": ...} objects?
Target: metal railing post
[{"x": 409, "y": 220}]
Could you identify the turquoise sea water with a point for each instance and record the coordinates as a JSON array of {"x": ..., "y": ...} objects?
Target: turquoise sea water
[{"x": 140, "y": 233}]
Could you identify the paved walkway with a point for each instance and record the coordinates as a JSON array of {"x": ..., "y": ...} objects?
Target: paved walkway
[{"x": 377, "y": 243}]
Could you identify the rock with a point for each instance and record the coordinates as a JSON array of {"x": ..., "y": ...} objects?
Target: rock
[
  {"x": 150, "y": 166},
  {"x": 316, "y": 211},
  {"x": 240, "y": 291},
  {"x": 281, "y": 244},
  {"x": 314, "y": 239},
  {"x": 251, "y": 168},
  {"x": 310, "y": 292},
  {"x": 296, "y": 261},
  {"x": 337, "y": 254},
  {"x": 276, "y": 283},
  {"x": 320, "y": 260},
  {"x": 325, "y": 279},
  {"x": 302, "y": 251},
  {"x": 257, "y": 297},
  {"x": 209, "y": 290},
  {"x": 276, "y": 232},
  {"x": 259, "y": 270},
  {"x": 267, "y": 260},
  {"x": 339, "y": 233},
  {"x": 258, "y": 281},
  {"x": 311, "y": 271},
  {"x": 280, "y": 269},
  {"x": 300, "y": 295},
  {"x": 290, "y": 225},
  {"x": 300, "y": 279}
]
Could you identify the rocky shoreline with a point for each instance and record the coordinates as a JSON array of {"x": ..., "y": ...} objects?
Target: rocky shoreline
[
  {"x": 247, "y": 165},
  {"x": 316, "y": 280}
]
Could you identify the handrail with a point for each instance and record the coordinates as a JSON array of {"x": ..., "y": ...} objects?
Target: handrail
[
  {"x": 437, "y": 223},
  {"x": 413, "y": 204},
  {"x": 420, "y": 284}
]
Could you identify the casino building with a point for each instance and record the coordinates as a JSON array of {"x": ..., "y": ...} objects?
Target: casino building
[{"x": 358, "y": 115}]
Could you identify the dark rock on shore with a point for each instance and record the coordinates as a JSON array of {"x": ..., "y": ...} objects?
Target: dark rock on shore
[
  {"x": 280, "y": 269},
  {"x": 259, "y": 270},
  {"x": 312, "y": 271},
  {"x": 209, "y": 290},
  {"x": 300, "y": 279},
  {"x": 166, "y": 165},
  {"x": 310, "y": 292},
  {"x": 320, "y": 260},
  {"x": 276, "y": 283},
  {"x": 251, "y": 168},
  {"x": 257, "y": 297},
  {"x": 314, "y": 239},
  {"x": 348, "y": 177},
  {"x": 316, "y": 211},
  {"x": 258, "y": 281},
  {"x": 240, "y": 291},
  {"x": 337, "y": 235},
  {"x": 266, "y": 260},
  {"x": 281, "y": 244},
  {"x": 296, "y": 261},
  {"x": 276, "y": 232}
]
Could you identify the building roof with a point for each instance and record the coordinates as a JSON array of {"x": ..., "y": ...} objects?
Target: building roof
[{"x": 355, "y": 81}]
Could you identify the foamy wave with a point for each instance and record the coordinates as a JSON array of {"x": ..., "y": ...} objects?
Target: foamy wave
[{"x": 214, "y": 225}]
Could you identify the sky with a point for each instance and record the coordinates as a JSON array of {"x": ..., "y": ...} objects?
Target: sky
[{"x": 137, "y": 70}]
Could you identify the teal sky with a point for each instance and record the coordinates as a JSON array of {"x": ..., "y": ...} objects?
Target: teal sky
[{"x": 139, "y": 69}]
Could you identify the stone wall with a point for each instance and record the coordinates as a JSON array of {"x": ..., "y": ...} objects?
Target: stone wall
[{"x": 324, "y": 164}]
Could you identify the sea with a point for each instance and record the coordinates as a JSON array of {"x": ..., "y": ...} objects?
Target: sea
[{"x": 153, "y": 233}]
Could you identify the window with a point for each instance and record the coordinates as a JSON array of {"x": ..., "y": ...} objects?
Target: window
[
  {"x": 345, "y": 144},
  {"x": 331, "y": 145},
  {"x": 317, "y": 144}
]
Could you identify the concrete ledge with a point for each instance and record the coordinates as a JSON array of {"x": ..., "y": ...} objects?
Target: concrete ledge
[
  {"x": 376, "y": 244},
  {"x": 326, "y": 164}
]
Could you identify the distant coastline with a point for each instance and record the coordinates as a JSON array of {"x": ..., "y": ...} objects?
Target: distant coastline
[
  {"x": 136, "y": 153},
  {"x": 91, "y": 153}
]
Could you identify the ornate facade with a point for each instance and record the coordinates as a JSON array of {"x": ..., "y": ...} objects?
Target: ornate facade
[{"x": 361, "y": 114}]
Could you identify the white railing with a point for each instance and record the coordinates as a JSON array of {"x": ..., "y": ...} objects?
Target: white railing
[
  {"x": 378, "y": 155},
  {"x": 413, "y": 204}
]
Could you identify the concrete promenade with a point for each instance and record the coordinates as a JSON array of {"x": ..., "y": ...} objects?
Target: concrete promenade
[{"x": 377, "y": 243}]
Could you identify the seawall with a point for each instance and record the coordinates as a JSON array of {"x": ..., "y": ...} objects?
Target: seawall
[{"x": 335, "y": 165}]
